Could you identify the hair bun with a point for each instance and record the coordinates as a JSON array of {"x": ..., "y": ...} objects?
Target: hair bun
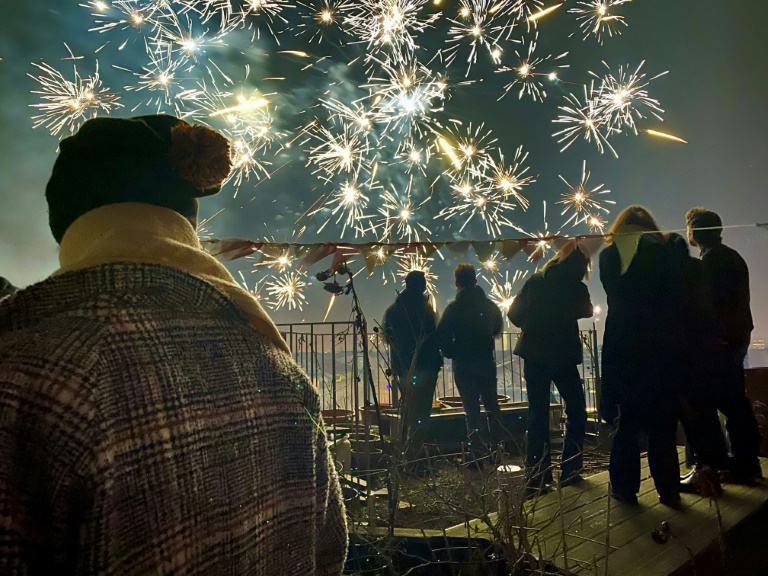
[{"x": 200, "y": 156}]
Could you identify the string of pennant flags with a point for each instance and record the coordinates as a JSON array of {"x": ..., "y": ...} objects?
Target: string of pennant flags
[{"x": 378, "y": 253}]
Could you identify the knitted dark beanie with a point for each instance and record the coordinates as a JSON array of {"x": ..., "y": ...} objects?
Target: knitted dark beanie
[{"x": 158, "y": 160}]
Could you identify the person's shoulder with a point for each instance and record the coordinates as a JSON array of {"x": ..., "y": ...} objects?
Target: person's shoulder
[
  {"x": 609, "y": 252},
  {"x": 449, "y": 308},
  {"x": 55, "y": 360},
  {"x": 391, "y": 309},
  {"x": 734, "y": 255},
  {"x": 609, "y": 258}
]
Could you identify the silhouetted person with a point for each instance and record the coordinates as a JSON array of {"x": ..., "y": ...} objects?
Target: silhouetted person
[
  {"x": 410, "y": 327},
  {"x": 467, "y": 332},
  {"x": 728, "y": 278},
  {"x": 547, "y": 310},
  {"x": 702, "y": 350},
  {"x": 641, "y": 354},
  {"x": 152, "y": 419},
  {"x": 6, "y": 288}
]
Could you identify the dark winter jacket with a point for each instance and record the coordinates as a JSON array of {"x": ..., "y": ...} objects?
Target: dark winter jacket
[
  {"x": 702, "y": 344},
  {"x": 728, "y": 278},
  {"x": 547, "y": 310},
  {"x": 642, "y": 345},
  {"x": 411, "y": 324},
  {"x": 6, "y": 288},
  {"x": 469, "y": 326}
]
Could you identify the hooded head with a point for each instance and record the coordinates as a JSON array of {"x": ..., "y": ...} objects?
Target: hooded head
[
  {"x": 158, "y": 160},
  {"x": 574, "y": 266},
  {"x": 416, "y": 282}
]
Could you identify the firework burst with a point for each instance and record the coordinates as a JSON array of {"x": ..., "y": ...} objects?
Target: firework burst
[
  {"x": 348, "y": 204},
  {"x": 407, "y": 263},
  {"x": 474, "y": 199},
  {"x": 529, "y": 77},
  {"x": 126, "y": 15},
  {"x": 339, "y": 150},
  {"x": 163, "y": 80},
  {"x": 582, "y": 203},
  {"x": 242, "y": 112},
  {"x": 321, "y": 17},
  {"x": 286, "y": 290},
  {"x": 465, "y": 148},
  {"x": 277, "y": 258},
  {"x": 389, "y": 24},
  {"x": 504, "y": 290},
  {"x": 583, "y": 119},
  {"x": 407, "y": 98},
  {"x": 481, "y": 27},
  {"x": 623, "y": 97},
  {"x": 68, "y": 103},
  {"x": 524, "y": 9},
  {"x": 399, "y": 220},
  {"x": 597, "y": 18},
  {"x": 542, "y": 239},
  {"x": 509, "y": 179},
  {"x": 413, "y": 156}
]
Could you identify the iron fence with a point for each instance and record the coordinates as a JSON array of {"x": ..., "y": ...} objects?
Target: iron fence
[{"x": 330, "y": 353}]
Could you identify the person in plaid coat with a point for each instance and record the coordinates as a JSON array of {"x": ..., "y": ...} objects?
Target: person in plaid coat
[{"x": 152, "y": 420}]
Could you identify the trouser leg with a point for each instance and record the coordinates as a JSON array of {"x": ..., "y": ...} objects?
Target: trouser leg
[
  {"x": 741, "y": 424},
  {"x": 489, "y": 394},
  {"x": 661, "y": 429},
  {"x": 703, "y": 434},
  {"x": 470, "y": 398},
  {"x": 537, "y": 453},
  {"x": 421, "y": 408},
  {"x": 569, "y": 384},
  {"x": 624, "y": 466}
]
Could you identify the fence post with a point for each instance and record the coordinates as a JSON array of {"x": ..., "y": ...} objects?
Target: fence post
[{"x": 596, "y": 369}]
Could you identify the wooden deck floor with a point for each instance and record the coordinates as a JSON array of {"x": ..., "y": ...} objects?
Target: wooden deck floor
[{"x": 633, "y": 552}]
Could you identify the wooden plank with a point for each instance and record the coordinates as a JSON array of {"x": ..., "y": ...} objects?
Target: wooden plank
[
  {"x": 695, "y": 530},
  {"x": 586, "y": 527},
  {"x": 543, "y": 510},
  {"x": 633, "y": 550}
]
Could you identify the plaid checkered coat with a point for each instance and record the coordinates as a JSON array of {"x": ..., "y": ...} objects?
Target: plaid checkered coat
[{"x": 145, "y": 428}]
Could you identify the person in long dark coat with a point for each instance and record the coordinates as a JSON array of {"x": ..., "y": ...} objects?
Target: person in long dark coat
[
  {"x": 699, "y": 386},
  {"x": 728, "y": 277},
  {"x": 466, "y": 332},
  {"x": 410, "y": 327},
  {"x": 641, "y": 354},
  {"x": 547, "y": 310}
]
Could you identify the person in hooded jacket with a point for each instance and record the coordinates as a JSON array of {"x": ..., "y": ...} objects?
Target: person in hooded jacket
[
  {"x": 641, "y": 354},
  {"x": 410, "y": 327},
  {"x": 466, "y": 333},
  {"x": 547, "y": 310}
]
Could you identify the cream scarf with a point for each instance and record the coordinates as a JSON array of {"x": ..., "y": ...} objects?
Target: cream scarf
[{"x": 147, "y": 234}]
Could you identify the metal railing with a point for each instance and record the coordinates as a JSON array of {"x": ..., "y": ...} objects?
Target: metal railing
[{"x": 330, "y": 354}]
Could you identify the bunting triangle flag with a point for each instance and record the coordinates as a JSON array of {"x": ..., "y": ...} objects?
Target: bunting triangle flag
[
  {"x": 484, "y": 250},
  {"x": 510, "y": 248},
  {"x": 627, "y": 241},
  {"x": 458, "y": 247},
  {"x": 230, "y": 248},
  {"x": 317, "y": 252}
]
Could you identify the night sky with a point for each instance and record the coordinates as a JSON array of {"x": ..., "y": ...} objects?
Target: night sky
[{"x": 715, "y": 97}]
